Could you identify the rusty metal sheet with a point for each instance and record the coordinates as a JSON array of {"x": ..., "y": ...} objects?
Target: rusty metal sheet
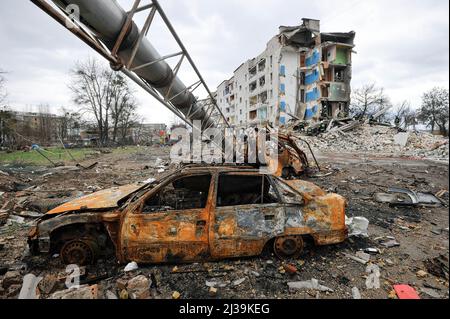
[{"x": 104, "y": 199}]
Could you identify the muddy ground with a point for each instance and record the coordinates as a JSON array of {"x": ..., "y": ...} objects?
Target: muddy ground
[{"x": 421, "y": 232}]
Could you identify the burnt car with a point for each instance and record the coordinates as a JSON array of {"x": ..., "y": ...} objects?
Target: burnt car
[{"x": 194, "y": 214}]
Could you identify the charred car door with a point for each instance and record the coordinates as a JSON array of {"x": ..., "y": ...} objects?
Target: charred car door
[
  {"x": 170, "y": 223},
  {"x": 248, "y": 212}
]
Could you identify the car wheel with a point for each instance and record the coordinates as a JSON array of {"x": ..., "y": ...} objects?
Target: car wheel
[
  {"x": 79, "y": 252},
  {"x": 288, "y": 246}
]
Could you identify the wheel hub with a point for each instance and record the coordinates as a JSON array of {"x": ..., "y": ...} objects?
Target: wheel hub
[
  {"x": 77, "y": 252},
  {"x": 288, "y": 246}
]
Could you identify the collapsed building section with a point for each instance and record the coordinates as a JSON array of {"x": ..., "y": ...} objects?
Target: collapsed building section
[{"x": 303, "y": 74}]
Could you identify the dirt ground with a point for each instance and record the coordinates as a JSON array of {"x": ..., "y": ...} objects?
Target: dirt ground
[{"x": 421, "y": 232}]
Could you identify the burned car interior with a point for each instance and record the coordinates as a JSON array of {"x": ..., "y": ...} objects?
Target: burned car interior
[{"x": 181, "y": 194}]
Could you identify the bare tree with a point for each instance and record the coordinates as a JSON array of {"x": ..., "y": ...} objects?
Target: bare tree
[
  {"x": 405, "y": 115},
  {"x": 367, "y": 100},
  {"x": 434, "y": 111},
  {"x": 2, "y": 87},
  {"x": 69, "y": 125},
  {"x": 103, "y": 93},
  {"x": 91, "y": 90},
  {"x": 123, "y": 107}
]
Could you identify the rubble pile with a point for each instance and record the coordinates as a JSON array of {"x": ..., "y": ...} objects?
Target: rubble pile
[{"x": 382, "y": 140}]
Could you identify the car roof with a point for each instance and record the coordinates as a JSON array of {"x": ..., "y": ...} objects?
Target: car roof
[{"x": 218, "y": 168}]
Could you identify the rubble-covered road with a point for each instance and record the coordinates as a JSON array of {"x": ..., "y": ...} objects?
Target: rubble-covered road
[{"x": 410, "y": 245}]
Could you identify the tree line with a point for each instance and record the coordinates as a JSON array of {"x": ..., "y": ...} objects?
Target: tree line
[
  {"x": 107, "y": 109},
  {"x": 433, "y": 111}
]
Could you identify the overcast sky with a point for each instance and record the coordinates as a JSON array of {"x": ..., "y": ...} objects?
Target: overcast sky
[{"x": 402, "y": 45}]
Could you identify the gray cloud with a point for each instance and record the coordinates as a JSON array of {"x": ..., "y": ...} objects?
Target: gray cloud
[{"x": 401, "y": 45}]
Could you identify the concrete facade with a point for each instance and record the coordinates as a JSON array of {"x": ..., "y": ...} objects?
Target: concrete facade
[{"x": 303, "y": 74}]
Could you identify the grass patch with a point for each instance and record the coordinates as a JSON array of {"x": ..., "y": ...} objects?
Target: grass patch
[{"x": 57, "y": 155}]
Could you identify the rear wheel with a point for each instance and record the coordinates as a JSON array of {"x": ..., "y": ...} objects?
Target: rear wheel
[{"x": 288, "y": 246}]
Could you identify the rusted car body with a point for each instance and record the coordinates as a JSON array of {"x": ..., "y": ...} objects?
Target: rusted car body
[{"x": 195, "y": 214}]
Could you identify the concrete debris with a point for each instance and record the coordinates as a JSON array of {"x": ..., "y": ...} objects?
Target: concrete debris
[
  {"x": 390, "y": 244},
  {"x": 217, "y": 284},
  {"x": 401, "y": 138},
  {"x": 357, "y": 226},
  {"x": 83, "y": 292},
  {"x": 29, "y": 287},
  {"x": 421, "y": 274},
  {"x": 430, "y": 292},
  {"x": 13, "y": 219},
  {"x": 139, "y": 287},
  {"x": 131, "y": 267},
  {"x": 110, "y": 295},
  {"x": 11, "y": 278},
  {"x": 355, "y": 293},
  {"x": 239, "y": 281},
  {"x": 438, "y": 266},
  {"x": 381, "y": 141},
  {"x": 312, "y": 284},
  {"x": 359, "y": 258},
  {"x": 28, "y": 214}
]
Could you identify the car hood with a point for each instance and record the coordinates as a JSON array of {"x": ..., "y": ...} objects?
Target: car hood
[{"x": 104, "y": 199}]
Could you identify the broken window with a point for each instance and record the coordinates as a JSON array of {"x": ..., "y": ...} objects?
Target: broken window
[
  {"x": 181, "y": 194},
  {"x": 236, "y": 190},
  {"x": 253, "y": 86},
  {"x": 262, "y": 81},
  {"x": 302, "y": 78},
  {"x": 339, "y": 76},
  {"x": 253, "y": 115},
  {"x": 253, "y": 100},
  {"x": 262, "y": 65},
  {"x": 263, "y": 97},
  {"x": 252, "y": 71}
]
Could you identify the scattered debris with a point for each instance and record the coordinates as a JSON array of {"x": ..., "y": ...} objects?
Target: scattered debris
[
  {"x": 355, "y": 293},
  {"x": 29, "y": 287},
  {"x": 438, "y": 266},
  {"x": 393, "y": 197},
  {"x": 239, "y": 281},
  {"x": 405, "y": 292},
  {"x": 390, "y": 243},
  {"x": 421, "y": 274},
  {"x": 360, "y": 257},
  {"x": 290, "y": 269},
  {"x": 312, "y": 284},
  {"x": 131, "y": 267},
  {"x": 431, "y": 292},
  {"x": 357, "y": 226},
  {"x": 83, "y": 292},
  {"x": 176, "y": 295}
]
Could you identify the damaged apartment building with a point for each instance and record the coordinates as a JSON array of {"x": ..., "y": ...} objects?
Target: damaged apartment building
[{"x": 302, "y": 74}]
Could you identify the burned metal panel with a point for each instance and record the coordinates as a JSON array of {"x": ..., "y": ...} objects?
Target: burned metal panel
[
  {"x": 166, "y": 237},
  {"x": 104, "y": 199},
  {"x": 244, "y": 230}
]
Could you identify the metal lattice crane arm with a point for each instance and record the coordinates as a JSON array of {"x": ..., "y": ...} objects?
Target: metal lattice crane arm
[{"x": 108, "y": 29}]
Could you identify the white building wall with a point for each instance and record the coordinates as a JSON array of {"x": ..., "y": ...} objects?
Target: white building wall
[{"x": 267, "y": 111}]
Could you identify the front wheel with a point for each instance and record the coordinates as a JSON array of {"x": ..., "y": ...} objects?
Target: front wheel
[
  {"x": 79, "y": 251},
  {"x": 288, "y": 246}
]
